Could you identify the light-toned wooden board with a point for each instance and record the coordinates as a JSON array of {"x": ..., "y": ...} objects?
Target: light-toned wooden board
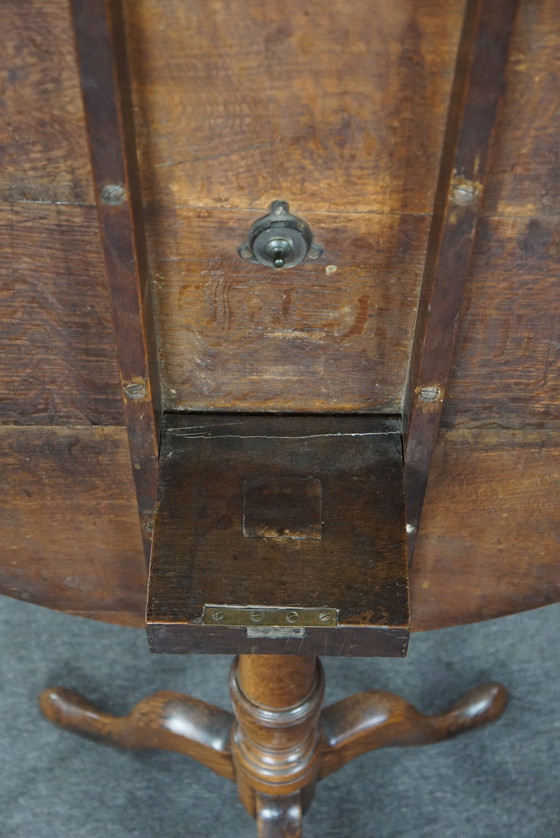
[
  {"x": 57, "y": 348},
  {"x": 489, "y": 539},
  {"x": 327, "y": 335},
  {"x": 43, "y": 143},
  {"x": 69, "y": 522},
  {"x": 506, "y": 367},
  {"x": 334, "y": 106}
]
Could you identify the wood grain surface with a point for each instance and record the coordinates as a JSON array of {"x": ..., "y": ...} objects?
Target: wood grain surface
[
  {"x": 43, "y": 142},
  {"x": 340, "y": 111},
  {"x": 57, "y": 347},
  {"x": 165, "y": 720},
  {"x": 62, "y": 552},
  {"x": 505, "y": 371},
  {"x": 523, "y": 178},
  {"x": 488, "y": 543},
  {"x": 290, "y": 512},
  {"x": 104, "y": 80},
  {"x": 336, "y": 107},
  {"x": 506, "y": 367},
  {"x": 336, "y": 111},
  {"x": 325, "y": 336},
  {"x": 474, "y": 108},
  {"x": 70, "y": 530}
]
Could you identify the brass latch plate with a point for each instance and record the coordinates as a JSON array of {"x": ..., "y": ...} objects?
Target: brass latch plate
[{"x": 259, "y": 615}]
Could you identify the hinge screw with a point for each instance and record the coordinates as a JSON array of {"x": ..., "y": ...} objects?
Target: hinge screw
[
  {"x": 429, "y": 394},
  {"x": 464, "y": 192},
  {"x": 135, "y": 390},
  {"x": 113, "y": 194}
]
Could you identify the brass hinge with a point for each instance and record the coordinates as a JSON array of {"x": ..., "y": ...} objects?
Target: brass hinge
[{"x": 253, "y": 616}]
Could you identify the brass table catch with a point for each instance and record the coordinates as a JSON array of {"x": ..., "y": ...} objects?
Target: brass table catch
[
  {"x": 279, "y": 239},
  {"x": 262, "y": 615}
]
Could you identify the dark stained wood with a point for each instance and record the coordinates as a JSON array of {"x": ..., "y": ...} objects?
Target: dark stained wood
[
  {"x": 523, "y": 177},
  {"x": 506, "y": 366},
  {"x": 52, "y": 491},
  {"x": 275, "y": 747},
  {"x": 375, "y": 719},
  {"x": 280, "y": 743},
  {"x": 236, "y": 109},
  {"x": 101, "y": 56},
  {"x": 42, "y": 137},
  {"x": 279, "y": 817},
  {"x": 337, "y": 107},
  {"x": 504, "y": 373},
  {"x": 70, "y": 535},
  {"x": 488, "y": 541},
  {"x": 203, "y": 554},
  {"x": 326, "y": 336},
  {"x": 57, "y": 350},
  {"x": 166, "y": 721},
  {"x": 475, "y": 98},
  {"x": 172, "y": 638}
]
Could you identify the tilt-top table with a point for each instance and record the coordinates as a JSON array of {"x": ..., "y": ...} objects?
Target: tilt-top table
[{"x": 280, "y": 318}]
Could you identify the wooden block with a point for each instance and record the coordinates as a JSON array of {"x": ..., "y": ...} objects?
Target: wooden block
[
  {"x": 279, "y": 535},
  {"x": 328, "y": 335},
  {"x": 57, "y": 350}
]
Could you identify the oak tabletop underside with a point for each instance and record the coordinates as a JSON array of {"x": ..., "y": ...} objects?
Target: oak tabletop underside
[{"x": 342, "y": 112}]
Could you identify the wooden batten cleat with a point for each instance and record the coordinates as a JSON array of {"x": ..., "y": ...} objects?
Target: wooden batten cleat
[{"x": 279, "y": 534}]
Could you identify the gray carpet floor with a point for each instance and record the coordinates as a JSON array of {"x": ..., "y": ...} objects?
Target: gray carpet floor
[{"x": 492, "y": 783}]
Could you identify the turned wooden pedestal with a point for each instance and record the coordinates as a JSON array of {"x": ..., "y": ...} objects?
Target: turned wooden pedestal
[{"x": 279, "y": 742}]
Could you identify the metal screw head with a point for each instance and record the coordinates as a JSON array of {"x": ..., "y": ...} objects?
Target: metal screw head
[
  {"x": 464, "y": 192},
  {"x": 113, "y": 194},
  {"x": 135, "y": 390},
  {"x": 325, "y": 617},
  {"x": 218, "y": 616},
  {"x": 245, "y": 251},
  {"x": 315, "y": 251},
  {"x": 292, "y": 616},
  {"x": 429, "y": 394}
]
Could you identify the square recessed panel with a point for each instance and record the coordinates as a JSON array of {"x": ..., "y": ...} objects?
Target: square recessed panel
[
  {"x": 280, "y": 512},
  {"x": 282, "y": 507}
]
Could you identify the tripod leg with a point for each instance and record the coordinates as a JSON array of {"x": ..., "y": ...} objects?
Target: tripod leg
[
  {"x": 375, "y": 719},
  {"x": 167, "y": 721}
]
